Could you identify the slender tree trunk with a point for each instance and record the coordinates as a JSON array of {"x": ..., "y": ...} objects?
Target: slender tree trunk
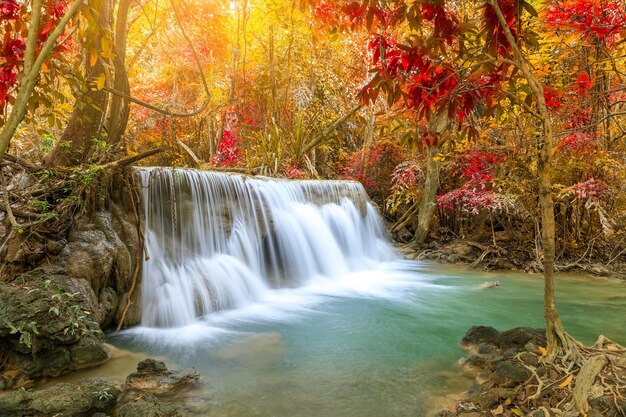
[
  {"x": 32, "y": 65},
  {"x": 555, "y": 332},
  {"x": 431, "y": 187},
  {"x": 438, "y": 124},
  {"x": 120, "y": 108}
]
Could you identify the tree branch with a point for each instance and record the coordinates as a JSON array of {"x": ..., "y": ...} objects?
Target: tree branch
[{"x": 329, "y": 129}]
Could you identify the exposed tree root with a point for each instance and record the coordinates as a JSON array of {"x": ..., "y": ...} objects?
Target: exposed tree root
[
  {"x": 576, "y": 380},
  {"x": 576, "y": 374}
]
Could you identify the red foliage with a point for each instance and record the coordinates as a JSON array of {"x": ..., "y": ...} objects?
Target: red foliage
[
  {"x": 9, "y": 9},
  {"x": 553, "y": 98},
  {"x": 373, "y": 166},
  {"x": 591, "y": 188},
  {"x": 496, "y": 38},
  {"x": 467, "y": 199},
  {"x": 579, "y": 120},
  {"x": 406, "y": 175},
  {"x": 445, "y": 23},
  {"x": 583, "y": 82},
  {"x": 12, "y": 44},
  {"x": 477, "y": 166},
  {"x": 228, "y": 152},
  {"x": 293, "y": 172},
  {"x": 580, "y": 143},
  {"x": 603, "y": 20}
]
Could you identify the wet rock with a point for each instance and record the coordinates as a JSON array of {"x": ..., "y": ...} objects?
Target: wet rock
[
  {"x": 508, "y": 374},
  {"x": 89, "y": 396},
  {"x": 478, "y": 362},
  {"x": 478, "y": 335},
  {"x": 154, "y": 377},
  {"x": 481, "y": 395},
  {"x": 529, "y": 358},
  {"x": 518, "y": 337},
  {"x": 486, "y": 349},
  {"x": 45, "y": 328},
  {"x": 148, "y": 406}
]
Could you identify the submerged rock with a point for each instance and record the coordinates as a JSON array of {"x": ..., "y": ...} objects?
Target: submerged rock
[
  {"x": 153, "y": 376},
  {"x": 89, "y": 396}
]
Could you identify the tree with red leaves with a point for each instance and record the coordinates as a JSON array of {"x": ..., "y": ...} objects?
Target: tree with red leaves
[
  {"x": 442, "y": 70},
  {"x": 25, "y": 49}
]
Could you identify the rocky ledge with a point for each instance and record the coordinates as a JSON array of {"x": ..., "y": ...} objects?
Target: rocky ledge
[
  {"x": 146, "y": 393},
  {"x": 505, "y": 363}
]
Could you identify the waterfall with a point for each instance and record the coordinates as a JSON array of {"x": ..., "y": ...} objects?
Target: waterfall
[{"x": 217, "y": 241}]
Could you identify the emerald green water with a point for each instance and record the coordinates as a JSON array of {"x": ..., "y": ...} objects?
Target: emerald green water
[{"x": 381, "y": 343}]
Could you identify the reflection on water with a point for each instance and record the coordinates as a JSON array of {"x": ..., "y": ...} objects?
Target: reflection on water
[{"x": 377, "y": 343}]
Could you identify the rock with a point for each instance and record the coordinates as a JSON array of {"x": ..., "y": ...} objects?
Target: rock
[
  {"x": 478, "y": 362},
  {"x": 486, "y": 349},
  {"x": 529, "y": 358},
  {"x": 599, "y": 269},
  {"x": 154, "y": 377},
  {"x": 148, "y": 406},
  {"x": 477, "y": 335},
  {"x": 508, "y": 374},
  {"x": 518, "y": 338},
  {"x": 491, "y": 284},
  {"x": 45, "y": 328},
  {"x": 607, "y": 408},
  {"x": 481, "y": 395},
  {"x": 89, "y": 396}
]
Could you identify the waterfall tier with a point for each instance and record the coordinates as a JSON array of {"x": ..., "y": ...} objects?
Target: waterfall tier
[{"x": 216, "y": 241}]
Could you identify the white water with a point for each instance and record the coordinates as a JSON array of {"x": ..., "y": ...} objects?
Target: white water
[{"x": 220, "y": 241}]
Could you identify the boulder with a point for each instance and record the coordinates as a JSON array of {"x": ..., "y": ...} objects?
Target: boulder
[
  {"x": 153, "y": 376},
  {"x": 148, "y": 406},
  {"x": 518, "y": 337},
  {"x": 89, "y": 396},
  {"x": 46, "y": 328},
  {"x": 509, "y": 374},
  {"x": 478, "y": 335}
]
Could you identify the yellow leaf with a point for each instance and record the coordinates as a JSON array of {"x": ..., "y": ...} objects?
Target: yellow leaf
[
  {"x": 567, "y": 381},
  {"x": 498, "y": 410},
  {"x": 100, "y": 82},
  {"x": 93, "y": 58},
  {"x": 543, "y": 351},
  {"x": 517, "y": 411},
  {"x": 508, "y": 401}
]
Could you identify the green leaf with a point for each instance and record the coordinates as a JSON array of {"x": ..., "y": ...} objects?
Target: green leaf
[{"x": 530, "y": 9}]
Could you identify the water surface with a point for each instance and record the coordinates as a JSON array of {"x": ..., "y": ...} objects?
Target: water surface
[{"x": 382, "y": 342}]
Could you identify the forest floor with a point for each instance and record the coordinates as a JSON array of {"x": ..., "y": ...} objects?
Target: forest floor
[
  {"x": 505, "y": 254},
  {"x": 515, "y": 378}
]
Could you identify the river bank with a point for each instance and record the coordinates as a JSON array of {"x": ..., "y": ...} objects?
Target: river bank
[{"x": 505, "y": 256}]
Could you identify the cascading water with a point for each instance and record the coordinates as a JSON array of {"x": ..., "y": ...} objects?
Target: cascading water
[{"x": 216, "y": 241}]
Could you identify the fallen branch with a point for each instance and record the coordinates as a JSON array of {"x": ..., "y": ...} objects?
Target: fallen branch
[
  {"x": 189, "y": 151},
  {"x": 406, "y": 217},
  {"x": 329, "y": 129},
  {"x": 129, "y": 160},
  {"x": 20, "y": 161},
  {"x": 7, "y": 203}
]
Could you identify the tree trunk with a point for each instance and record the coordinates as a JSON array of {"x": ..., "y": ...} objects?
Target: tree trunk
[
  {"x": 431, "y": 187},
  {"x": 438, "y": 124},
  {"x": 120, "y": 108},
  {"x": 97, "y": 117},
  {"x": 32, "y": 66},
  {"x": 555, "y": 332}
]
